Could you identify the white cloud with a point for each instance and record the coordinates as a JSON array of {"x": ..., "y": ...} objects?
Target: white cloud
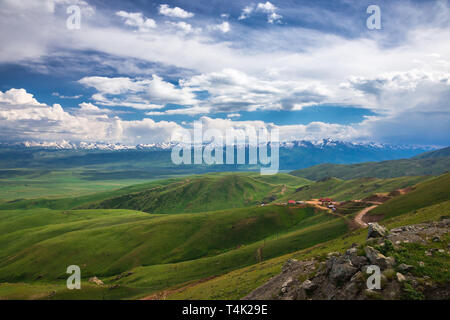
[
  {"x": 232, "y": 90},
  {"x": 137, "y": 20},
  {"x": 184, "y": 27},
  {"x": 233, "y": 115},
  {"x": 18, "y": 97},
  {"x": 224, "y": 27},
  {"x": 246, "y": 12},
  {"x": 57, "y": 94},
  {"x": 267, "y": 8},
  {"x": 138, "y": 93},
  {"x": 27, "y": 119},
  {"x": 174, "y": 12},
  {"x": 183, "y": 111}
]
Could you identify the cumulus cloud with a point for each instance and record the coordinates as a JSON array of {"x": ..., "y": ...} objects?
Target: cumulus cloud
[
  {"x": 174, "y": 12},
  {"x": 18, "y": 97},
  {"x": 267, "y": 8},
  {"x": 138, "y": 93},
  {"x": 232, "y": 90},
  {"x": 24, "y": 118},
  {"x": 137, "y": 20},
  {"x": 224, "y": 27},
  {"x": 184, "y": 27}
]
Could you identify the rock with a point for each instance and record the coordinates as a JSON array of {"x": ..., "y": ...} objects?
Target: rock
[
  {"x": 96, "y": 280},
  {"x": 441, "y": 251},
  {"x": 333, "y": 254},
  {"x": 377, "y": 258},
  {"x": 351, "y": 251},
  {"x": 358, "y": 261},
  {"x": 436, "y": 239},
  {"x": 287, "y": 284},
  {"x": 376, "y": 231},
  {"x": 357, "y": 277},
  {"x": 289, "y": 265},
  {"x": 308, "y": 286},
  {"x": 400, "y": 277},
  {"x": 421, "y": 264},
  {"x": 405, "y": 267},
  {"x": 342, "y": 271}
]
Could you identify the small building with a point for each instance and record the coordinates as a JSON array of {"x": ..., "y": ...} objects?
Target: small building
[
  {"x": 299, "y": 202},
  {"x": 291, "y": 202}
]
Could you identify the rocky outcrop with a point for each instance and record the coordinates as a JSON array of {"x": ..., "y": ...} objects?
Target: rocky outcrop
[
  {"x": 345, "y": 276},
  {"x": 375, "y": 231}
]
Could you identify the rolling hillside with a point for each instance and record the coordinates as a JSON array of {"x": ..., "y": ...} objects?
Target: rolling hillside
[
  {"x": 384, "y": 169},
  {"x": 424, "y": 194},
  {"x": 342, "y": 190},
  {"x": 205, "y": 193},
  {"x": 445, "y": 152},
  {"x": 39, "y": 244}
]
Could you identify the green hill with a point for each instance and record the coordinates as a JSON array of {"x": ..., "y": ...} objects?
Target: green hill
[
  {"x": 342, "y": 190},
  {"x": 445, "y": 152},
  {"x": 38, "y": 245},
  {"x": 204, "y": 193},
  {"x": 424, "y": 194},
  {"x": 197, "y": 193},
  {"x": 384, "y": 169}
]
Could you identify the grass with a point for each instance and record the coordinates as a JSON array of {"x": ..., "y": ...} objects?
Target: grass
[
  {"x": 424, "y": 194},
  {"x": 238, "y": 283},
  {"x": 343, "y": 190},
  {"x": 108, "y": 242},
  {"x": 384, "y": 169},
  {"x": 205, "y": 193},
  {"x": 222, "y": 234}
]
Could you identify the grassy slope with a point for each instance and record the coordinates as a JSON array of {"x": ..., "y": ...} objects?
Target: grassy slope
[
  {"x": 342, "y": 190},
  {"x": 263, "y": 185},
  {"x": 445, "y": 152},
  {"x": 384, "y": 169},
  {"x": 238, "y": 283},
  {"x": 425, "y": 194},
  {"x": 205, "y": 193},
  {"x": 110, "y": 242}
]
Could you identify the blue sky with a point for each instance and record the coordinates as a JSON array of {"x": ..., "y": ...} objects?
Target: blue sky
[{"x": 136, "y": 71}]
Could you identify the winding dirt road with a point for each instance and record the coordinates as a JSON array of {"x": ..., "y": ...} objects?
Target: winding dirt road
[{"x": 360, "y": 215}]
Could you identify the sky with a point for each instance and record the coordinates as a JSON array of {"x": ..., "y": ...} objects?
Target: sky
[{"x": 133, "y": 72}]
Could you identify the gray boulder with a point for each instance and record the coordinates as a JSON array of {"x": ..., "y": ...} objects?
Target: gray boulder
[
  {"x": 376, "y": 231},
  {"x": 377, "y": 258}
]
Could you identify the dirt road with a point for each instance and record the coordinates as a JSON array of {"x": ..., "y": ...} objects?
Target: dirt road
[{"x": 360, "y": 215}]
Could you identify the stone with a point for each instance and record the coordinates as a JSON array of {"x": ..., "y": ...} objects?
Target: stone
[
  {"x": 351, "y": 251},
  {"x": 358, "y": 261},
  {"x": 96, "y": 280},
  {"x": 377, "y": 258},
  {"x": 342, "y": 271},
  {"x": 376, "y": 231},
  {"x": 400, "y": 277},
  {"x": 288, "y": 265},
  {"x": 405, "y": 267},
  {"x": 421, "y": 264},
  {"x": 308, "y": 286},
  {"x": 436, "y": 239},
  {"x": 287, "y": 284}
]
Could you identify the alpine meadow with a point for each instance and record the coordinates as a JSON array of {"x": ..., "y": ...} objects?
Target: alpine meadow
[{"x": 235, "y": 158}]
